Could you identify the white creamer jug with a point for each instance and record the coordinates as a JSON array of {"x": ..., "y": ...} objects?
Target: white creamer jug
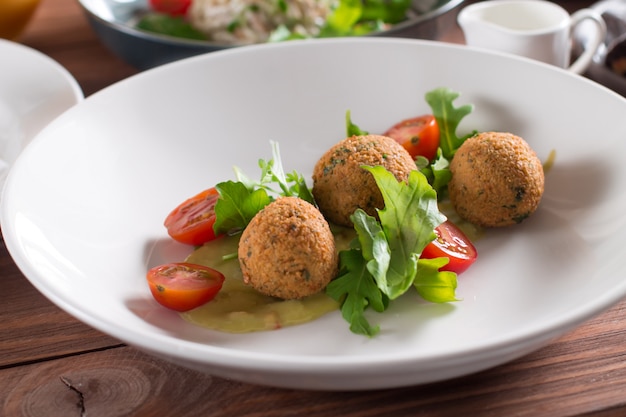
[{"x": 536, "y": 29}]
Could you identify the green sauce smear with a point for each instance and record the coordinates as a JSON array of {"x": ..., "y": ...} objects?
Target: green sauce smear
[{"x": 239, "y": 308}]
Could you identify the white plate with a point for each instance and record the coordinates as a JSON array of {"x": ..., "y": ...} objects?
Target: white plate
[
  {"x": 84, "y": 204},
  {"x": 34, "y": 89}
]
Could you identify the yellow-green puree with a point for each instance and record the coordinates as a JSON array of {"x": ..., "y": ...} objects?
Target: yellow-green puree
[{"x": 238, "y": 308}]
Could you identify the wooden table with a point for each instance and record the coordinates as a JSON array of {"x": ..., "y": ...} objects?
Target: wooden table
[{"x": 53, "y": 365}]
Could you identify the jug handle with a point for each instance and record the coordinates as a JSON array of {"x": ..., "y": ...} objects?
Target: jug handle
[{"x": 591, "y": 47}]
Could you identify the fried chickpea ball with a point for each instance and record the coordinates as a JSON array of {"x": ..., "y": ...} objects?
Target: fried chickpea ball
[
  {"x": 287, "y": 250},
  {"x": 341, "y": 185},
  {"x": 497, "y": 180}
]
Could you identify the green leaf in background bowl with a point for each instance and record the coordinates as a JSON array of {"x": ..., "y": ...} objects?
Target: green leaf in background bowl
[{"x": 169, "y": 25}]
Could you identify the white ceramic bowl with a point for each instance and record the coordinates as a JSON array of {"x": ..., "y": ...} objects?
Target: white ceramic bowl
[{"x": 83, "y": 208}]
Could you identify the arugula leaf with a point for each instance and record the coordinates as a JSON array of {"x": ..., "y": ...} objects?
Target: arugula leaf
[
  {"x": 356, "y": 290},
  {"x": 434, "y": 285},
  {"x": 236, "y": 206},
  {"x": 357, "y": 17},
  {"x": 241, "y": 200},
  {"x": 341, "y": 20},
  {"x": 383, "y": 262},
  {"x": 408, "y": 221},
  {"x": 389, "y": 11},
  {"x": 352, "y": 129},
  {"x": 289, "y": 185},
  {"x": 373, "y": 244},
  {"x": 438, "y": 173},
  {"x": 448, "y": 119},
  {"x": 299, "y": 187},
  {"x": 169, "y": 25}
]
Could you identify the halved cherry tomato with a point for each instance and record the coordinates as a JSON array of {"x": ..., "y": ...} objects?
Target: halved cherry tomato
[
  {"x": 184, "y": 286},
  {"x": 192, "y": 221},
  {"x": 171, "y": 7},
  {"x": 419, "y": 136},
  {"x": 451, "y": 243}
]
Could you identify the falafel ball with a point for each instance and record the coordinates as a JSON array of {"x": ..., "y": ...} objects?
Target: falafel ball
[
  {"x": 497, "y": 180},
  {"x": 340, "y": 185},
  {"x": 287, "y": 250}
]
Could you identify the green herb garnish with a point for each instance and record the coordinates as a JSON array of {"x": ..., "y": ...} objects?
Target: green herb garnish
[
  {"x": 385, "y": 262},
  {"x": 352, "y": 129},
  {"x": 165, "y": 24},
  {"x": 241, "y": 200},
  {"x": 448, "y": 117}
]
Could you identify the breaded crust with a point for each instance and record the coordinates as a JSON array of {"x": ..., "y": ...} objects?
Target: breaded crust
[
  {"x": 340, "y": 185},
  {"x": 287, "y": 250},
  {"x": 497, "y": 180}
]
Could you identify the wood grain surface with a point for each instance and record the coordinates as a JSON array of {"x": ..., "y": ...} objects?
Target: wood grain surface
[{"x": 53, "y": 365}]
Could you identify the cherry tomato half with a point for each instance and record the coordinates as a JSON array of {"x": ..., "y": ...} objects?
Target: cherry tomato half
[
  {"x": 192, "y": 221},
  {"x": 419, "y": 136},
  {"x": 171, "y": 7},
  {"x": 451, "y": 243},
  {"x": 184, "y": 286}
]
